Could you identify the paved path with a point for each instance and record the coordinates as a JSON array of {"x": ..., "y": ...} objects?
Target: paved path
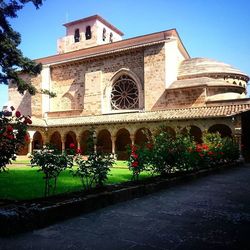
[{"x": 211, "y": 212}]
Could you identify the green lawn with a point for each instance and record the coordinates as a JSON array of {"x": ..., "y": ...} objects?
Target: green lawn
[{"x": 24, "y": 182}]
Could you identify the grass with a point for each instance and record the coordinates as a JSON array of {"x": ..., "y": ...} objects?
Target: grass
[
  {"x": 23, "y": 182},
  {"x": 21, "y": 161}
]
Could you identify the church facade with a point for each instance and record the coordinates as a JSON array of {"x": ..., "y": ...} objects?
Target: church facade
[{"x": 118, "y": 87}]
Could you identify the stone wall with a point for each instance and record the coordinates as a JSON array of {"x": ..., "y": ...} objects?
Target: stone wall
[
  {"x": 154, "y": 75},
  {"x": 181, "y": 98},
  {"x": 26, "y": 104},
  {"x": 82, "y": 85}
]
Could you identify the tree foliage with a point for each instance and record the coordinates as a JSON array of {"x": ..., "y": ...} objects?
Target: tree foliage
[{"x": 12, "y": 60}]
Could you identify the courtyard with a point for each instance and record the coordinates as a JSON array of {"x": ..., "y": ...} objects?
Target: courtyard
[{"x": 211, "y": 212}]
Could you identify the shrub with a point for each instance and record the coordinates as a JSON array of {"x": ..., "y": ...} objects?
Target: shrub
[
  {"x": 220, "y": 150},
  {"x": 135, "y": 162},
  {"x": 170, "y": 154},
  {"x": 164, "y": 154},
  {"x": 94, "y": 170},
  {"x": 13, "y": 135},
  {"x": 51, "y": 164}
]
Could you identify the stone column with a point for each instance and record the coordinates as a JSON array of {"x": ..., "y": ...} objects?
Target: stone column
[
  {"x": 78, "y": 141},
  {"x": 95, "y": 140},
  {"x": 238, "y": 140},
  {"x": 45, "y": 138},
  {"x": 63, "y": 144},
  {"x": 113, "y": 139},
  {"x": 238, "y": 133},
  {"x": 132, "y": 137},
  {"x": 31, "y": 134},
  {"x": 30, "y": 146}
]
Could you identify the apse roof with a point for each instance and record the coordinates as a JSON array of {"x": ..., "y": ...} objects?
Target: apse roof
[
  {"x": 201, "y": 81},
  {"x": 195, "y": 67}
]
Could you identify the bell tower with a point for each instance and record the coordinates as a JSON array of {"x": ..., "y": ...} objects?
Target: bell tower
[{"x": 87, "y": 32}]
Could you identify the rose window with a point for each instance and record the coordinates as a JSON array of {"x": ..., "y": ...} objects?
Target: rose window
[{"x": 124, "y": 94}]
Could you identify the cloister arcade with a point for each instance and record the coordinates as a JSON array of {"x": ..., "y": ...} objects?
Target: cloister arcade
[{"x": 115, "y": 138}]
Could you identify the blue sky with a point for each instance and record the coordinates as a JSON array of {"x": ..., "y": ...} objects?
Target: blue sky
[{"x": 217, "y": 29}]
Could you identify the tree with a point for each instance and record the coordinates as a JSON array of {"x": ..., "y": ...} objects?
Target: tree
[{"x": 12, "y": 60}]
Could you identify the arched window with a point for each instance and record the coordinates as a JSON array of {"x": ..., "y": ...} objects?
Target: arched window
[
  {"x": 77, "y": 36},
  {"x": 124, "y": 94},
  {"x": 88, "y": 33},
  {"x": 67, "y": 102}
]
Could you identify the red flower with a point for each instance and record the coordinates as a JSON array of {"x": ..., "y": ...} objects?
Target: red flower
[
  {"x": 135, "y": 164},
  {"x": 149, "y": 145},
  {"x": 11, "y": 137},
  {"x": 210, "y": 153},
  {"x": 9, "y": 128},
  {"x": 27, "y": 138},
  {"x": 134, "y": 155},
  {"x": 133, "y": 147},
  {"x": 72, "y": 145},
  {"x": 18, "y": 114},
  {"x": 78, "y": 151},
  {"x": 201, "y": 155}
]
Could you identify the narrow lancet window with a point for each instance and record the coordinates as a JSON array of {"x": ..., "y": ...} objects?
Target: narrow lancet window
[
  {"x": 104, "y": 34},
  {"x": 88, "y": 33},
  {"x": 111, "y": 37},
  {"x": 77, "y": 36}
]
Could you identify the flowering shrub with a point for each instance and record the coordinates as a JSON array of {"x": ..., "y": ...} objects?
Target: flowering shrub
[
  {"x": 135, "y": 163},
  {"x": 13, "y": 135},
  {"x": 163, "y": 154},
  {"x": 51, "y": 164},
  {"x": 171, "y": 154},
  {"x": 220, "y": 150}
]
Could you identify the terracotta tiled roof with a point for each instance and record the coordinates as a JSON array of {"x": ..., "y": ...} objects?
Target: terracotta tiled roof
[
  {"x": 203, "y": 66},
  {"x": 38, "y": 122},
  {"x": 169, "y": 114},
  {"x": 114, "y": 47}
]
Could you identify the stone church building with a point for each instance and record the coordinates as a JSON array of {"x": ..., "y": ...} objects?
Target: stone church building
[{"x": 120, "y": 86}]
